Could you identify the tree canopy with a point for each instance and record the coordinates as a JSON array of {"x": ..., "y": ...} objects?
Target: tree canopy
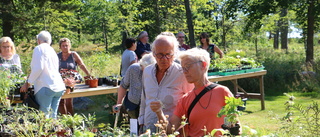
[{"x": 109, "y": 22}]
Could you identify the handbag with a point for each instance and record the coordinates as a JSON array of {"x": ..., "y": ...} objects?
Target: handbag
[
  {"x": 30, "y": 99},
  {"x": 131, "y": 108}
]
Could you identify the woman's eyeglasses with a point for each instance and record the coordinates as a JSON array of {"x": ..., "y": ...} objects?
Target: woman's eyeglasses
[{"x": 186, "y": 67}]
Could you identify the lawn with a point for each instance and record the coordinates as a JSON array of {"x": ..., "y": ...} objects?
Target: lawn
[{"x": 268, "y": 121}]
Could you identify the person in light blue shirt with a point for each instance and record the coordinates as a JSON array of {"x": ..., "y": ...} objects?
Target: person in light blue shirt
[{"x": 128, "y": 56}]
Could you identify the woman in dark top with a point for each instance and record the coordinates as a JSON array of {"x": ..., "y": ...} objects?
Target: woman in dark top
[
  {"x": 69, "y": 60},
  {"x": 211, "y": 48}
]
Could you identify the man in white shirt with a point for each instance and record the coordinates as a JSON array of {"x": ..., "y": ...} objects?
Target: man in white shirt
[
  {"x": 162, "y": 81},
  {"x": 48, "y": 84}
]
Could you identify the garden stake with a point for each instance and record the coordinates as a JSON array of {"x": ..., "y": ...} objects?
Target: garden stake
[{"x": 117, "y": 116}]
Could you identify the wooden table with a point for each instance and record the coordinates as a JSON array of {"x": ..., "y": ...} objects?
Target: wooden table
[
  {"x": 82, "y": 90},
  {"x": 234, "y": 80}
]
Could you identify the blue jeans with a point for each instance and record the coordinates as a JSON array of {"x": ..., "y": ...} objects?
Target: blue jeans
[{"x": 48, "y": 101}]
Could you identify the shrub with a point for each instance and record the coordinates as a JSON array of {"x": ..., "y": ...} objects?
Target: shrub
[{"x": 300, "y": 120}]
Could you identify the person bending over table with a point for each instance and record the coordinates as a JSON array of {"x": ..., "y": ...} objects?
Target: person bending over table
[
  {"x": 132, "y": 81},
  {"x": 195, "y": 64}
]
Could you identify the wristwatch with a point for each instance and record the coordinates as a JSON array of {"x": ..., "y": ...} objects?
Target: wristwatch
[{"x": 71, "y": 88}]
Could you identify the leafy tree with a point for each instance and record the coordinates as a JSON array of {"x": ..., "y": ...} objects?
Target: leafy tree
[{"x": 310, "y": 23}]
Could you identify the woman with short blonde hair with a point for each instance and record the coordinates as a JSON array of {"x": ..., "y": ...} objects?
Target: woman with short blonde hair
[{"x": 8, "y": 56}]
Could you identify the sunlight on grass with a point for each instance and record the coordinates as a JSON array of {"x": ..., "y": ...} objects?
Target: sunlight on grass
[{"x": 267, "y": 121}]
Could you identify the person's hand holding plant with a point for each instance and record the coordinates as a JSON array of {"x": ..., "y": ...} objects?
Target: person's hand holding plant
[{"x": 70, "y": 83}]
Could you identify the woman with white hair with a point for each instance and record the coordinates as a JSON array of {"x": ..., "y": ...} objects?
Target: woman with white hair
[
  {"x": 203, "y": 115},
  {"x": 8, "y": 56},
  {"x": 48, "y": 84},
  {"x": 143, "y": 46},
  {"x": 132, "y": 81}
]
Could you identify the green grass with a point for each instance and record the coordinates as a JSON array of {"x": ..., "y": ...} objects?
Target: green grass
[{"x": 267, "y": 121}]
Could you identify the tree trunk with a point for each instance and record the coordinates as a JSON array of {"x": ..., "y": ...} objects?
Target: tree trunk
[
  {"x": 310, "y": 32},
  {"x": 158, "y": 23},
  {"x": 79, "y": 28},
  {"x": 256, "y": 43},
  {"x": 284, "y": 28},
  {"x": 124, "y": 37},
  {"x": 276, "y": 40},
  {"x": 7, "y": 19},
  {"x": 270, "y": 35},
  {"x": 224, "y": 33},
  {"x": 190, "y": 23},
  {"x": 105, "y": 34}
]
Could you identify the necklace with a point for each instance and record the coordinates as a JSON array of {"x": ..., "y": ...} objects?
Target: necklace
[
  {"x": 65, "y": 57},
  {"x": 208, "y": 101}
]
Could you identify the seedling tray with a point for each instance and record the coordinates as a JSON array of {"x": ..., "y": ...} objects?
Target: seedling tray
[
  {"x": 232, "y": 73},
  {"x": 254, "y": 70},
  {"x": 213, "y": 73}
]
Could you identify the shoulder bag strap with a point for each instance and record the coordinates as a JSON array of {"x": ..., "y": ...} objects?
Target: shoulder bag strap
[{"x": 204, "y": 91}]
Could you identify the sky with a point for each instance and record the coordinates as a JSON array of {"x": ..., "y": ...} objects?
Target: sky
[{"x": 295, "y": 33}]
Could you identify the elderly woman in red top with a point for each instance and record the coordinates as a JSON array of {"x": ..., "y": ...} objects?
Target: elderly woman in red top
[{"x": 195, "y": 63}]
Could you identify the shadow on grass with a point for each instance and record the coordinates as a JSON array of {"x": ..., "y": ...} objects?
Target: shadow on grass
[{"x": 103, "y": 115}]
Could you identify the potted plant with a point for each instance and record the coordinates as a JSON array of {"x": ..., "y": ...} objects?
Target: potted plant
[
  {"x": 231, "y": 114},
  {"x": 115, "y": 81},
  {"x": 71, "y": 121},
  {"x": 89, "y": 121},
  {"x": 8, "y": 83}
]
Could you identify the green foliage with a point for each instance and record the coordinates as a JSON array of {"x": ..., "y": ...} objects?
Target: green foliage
[
  {"x": 236, "y": 53},
  {"x": 230, "y": 109},
  {"x": 85, "y": 133},
  {"x": 101, "y": 64},
  {"x": 72, "y": 121},
  {"x": 300, "y": 120},
  {"x": 227, "y": 63},
  {"x": 8, "y": 82},
  {"x": 307, "y": 79}
]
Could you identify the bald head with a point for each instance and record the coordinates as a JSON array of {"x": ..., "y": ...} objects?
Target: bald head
[
  {"x": 164, "y": 49},
  {"x": 165, "y": 40}
]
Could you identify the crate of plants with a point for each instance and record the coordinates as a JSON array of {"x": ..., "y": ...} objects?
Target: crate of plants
[
  {"x": 233, "y": 64},
  {"x": 227, "y": 66},
  {"x": 213, "y": 72},
  {"x": 250, "y": 65}
]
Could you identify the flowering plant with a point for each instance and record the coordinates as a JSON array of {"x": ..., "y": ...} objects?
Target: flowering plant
[{"x": 69, "y": 77}]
